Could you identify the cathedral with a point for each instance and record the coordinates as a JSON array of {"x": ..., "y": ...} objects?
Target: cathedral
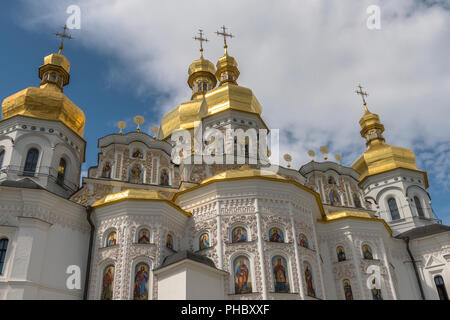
[{"x": 142, "y": 226}]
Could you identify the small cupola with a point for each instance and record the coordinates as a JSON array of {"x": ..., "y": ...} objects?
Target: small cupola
[{"x": 201, "y": 73}]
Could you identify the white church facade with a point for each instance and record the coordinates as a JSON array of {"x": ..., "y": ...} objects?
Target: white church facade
[{"x": 140, "y": 226}]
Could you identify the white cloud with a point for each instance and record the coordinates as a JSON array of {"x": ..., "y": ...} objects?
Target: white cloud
[{"x": 302, "y": 59}]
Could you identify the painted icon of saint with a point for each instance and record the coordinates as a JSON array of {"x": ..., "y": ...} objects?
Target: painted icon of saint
[
  {"x": 304, "y": 241},
  {"x": 138, "y": 154},
  {"x": 242, "y": 284},
  {"x": 334, "y": 198},
  {"x": 169, "y": 241},
  {"x": 135, "y": 174},
  {"x": 309, "y": 280},
  {"x": 164, "y": 178},
  {"x": 106, "y": 173},
  {"x": 275, "y": 235},
  {"x": 239, "y": 235},
  {"x": 108, "y": 283},
  {"x": 204, "y": 241},
  {"x": 141, "y": 282},
  {"x": 144, "y": 236},
  {"x": 348, "y": 290},
  {"x": 112, "y": 239},
  {"x": 367, "y": 252},
  {"x": 341, "y": 254},
  {"x": 280, "y": 276}
]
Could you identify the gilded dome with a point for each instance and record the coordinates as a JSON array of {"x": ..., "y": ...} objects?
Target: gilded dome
[
  {"x": 48, "y": 101},
  {"x": 225, "y": 97},
  {"x": 244, "y": 172},
  {"x": 227, "y": 69},
  {"x": 380, "y": 157},
  {"x": 200, "y": 67},
  {"x": 130, "y": 194}
]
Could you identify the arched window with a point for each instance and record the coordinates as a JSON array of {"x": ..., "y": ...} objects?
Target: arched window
[
  {"x": 242, "y": 275},
  {"x": 276, "y": 235},
  {"x": 239, "y": 234},
  {"x": 331, "y": 180},
  {"x": 280, "y": 274},
  {"x": 3, "y": 248},
  {"x": 367, "y": 252},
  {"x": 141, "y": 276},
  {"x": 393, "y": 209},
  {"x": 203, "y": 241},
  {"x": 2, "y": 156},
  {"x": 418, "y": 207},
  {"x": 144, "y": 236},
  {"x": 340, "y": 254},
  {"x": 356, "y": 201},
  {"x": 303, "y": 240},
  {"x": 440, "y": 286},
  {"x": 310, "y": 291},
  {"x": 348, "y": 290},
  {"x": 334, "y": 198},
  {"x": 169, "y": 241},
  {"x": 61, "y": 172},
  {"x": 108, "y": 283},
  {"x": 112, "y": 239},
  {"x": 31, "y": 162}
]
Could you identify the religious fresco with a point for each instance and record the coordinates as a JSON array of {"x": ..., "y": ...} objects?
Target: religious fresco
[
  {"x": 356, "y": 201},
  {"x": 348, "y": 290},
  {"x": 164, "y": 178},
  {"x": 280, "y": 272},
  {"x": 204, "y": 241},
  {"x": 367, "y": 252},
  {"x": 276, "y": 235},
  {"x": 135, "y": 174},
  {"x": 106, "y": 172},
  {"x": 239, "y": 234},
  {"x": 144, "y": 236},
  {"x": 141, "y": 281},
  {"x": 169, "y": 241},
  {"x": 242, "y": 275},
  {"x": 334, "y": 198},
  {"x": 112, "y": 239},
  {"x": 108, "y": 283},
  {"x": 376, "y": 293},
  {"x": 303, "y": 240},
  {"x": 340, "y": 254},
  {"x": 310, "y": 291},
  {"x": 137, "y": 153}
]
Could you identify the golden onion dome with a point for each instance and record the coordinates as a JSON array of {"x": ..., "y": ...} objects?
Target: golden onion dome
[
  {"x": 202, "y": 69},
  {"x": 243, "y": 172},
  {"x": 380, "y": 157},
  {"x": 48, "y": 101},
  {"x": 227, "y": 69}
]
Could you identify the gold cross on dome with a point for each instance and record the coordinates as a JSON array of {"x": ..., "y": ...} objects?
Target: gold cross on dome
[
  {"x": 362, "y": 94},
  {"x": 224, "y": 34},
  {"x": 63, "y": 36},
  {"x": 201, "y": 39}
]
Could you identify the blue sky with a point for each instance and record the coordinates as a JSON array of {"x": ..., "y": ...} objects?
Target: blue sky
[{"x": 303, "y": 61}]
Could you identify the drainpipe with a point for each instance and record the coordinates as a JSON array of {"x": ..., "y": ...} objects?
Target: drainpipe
[
  {"x": 91, "y": 240},
  {"x": 406, "y": 239}
]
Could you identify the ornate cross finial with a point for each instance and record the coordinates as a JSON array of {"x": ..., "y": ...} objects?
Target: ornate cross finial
[
  {"x": 362, "y": 94},
  {"x": 224, "y": 34},
  {"x": 63, "y": 36},
  {"x": 201, "y": 40}
]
